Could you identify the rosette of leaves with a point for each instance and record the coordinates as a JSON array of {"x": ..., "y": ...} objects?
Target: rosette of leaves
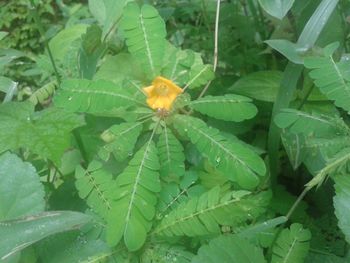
[{"x": 149, "y": 144}]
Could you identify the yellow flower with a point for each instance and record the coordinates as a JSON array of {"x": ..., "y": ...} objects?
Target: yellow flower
[{"x": 162, "y": 93}]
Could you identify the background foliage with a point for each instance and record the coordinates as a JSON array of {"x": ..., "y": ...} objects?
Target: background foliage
[{"x": 90, "y": 173}]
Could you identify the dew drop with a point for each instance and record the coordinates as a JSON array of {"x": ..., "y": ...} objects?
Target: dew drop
[
  {"x": 186, "y": 130},
  {"x": 70, "y": 98}
]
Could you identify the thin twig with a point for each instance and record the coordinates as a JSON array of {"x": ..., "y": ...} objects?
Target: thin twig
[
  {"x": 42, "y": 33},
  {"x": 216, "y": 49}
]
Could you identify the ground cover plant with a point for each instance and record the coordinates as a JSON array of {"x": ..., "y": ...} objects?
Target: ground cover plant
[{"x": 175, "y": 131}]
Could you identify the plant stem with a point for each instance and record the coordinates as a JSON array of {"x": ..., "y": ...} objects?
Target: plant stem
[
  {"x": 42, "y": 34},
  {"x": 307, "y": 95},
  {"x": 296, "y": 203},
  {"x": 216, "y": 48}
]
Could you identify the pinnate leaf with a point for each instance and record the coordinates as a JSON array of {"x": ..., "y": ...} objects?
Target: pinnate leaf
[
  {"x": 145, "y": 34},
  {"x": 229, "y": 107},
  {"x": 203, "y": 215},
  {"x": 231, "y": 249},
  {"x": 135, "y": 199},
  {"x": 292, "y": 245},
  {"x": 231, "y": 157},
  {"x": 81, "y": 95}
]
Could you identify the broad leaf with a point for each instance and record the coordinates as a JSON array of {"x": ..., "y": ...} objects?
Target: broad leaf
[
  {"x": 288, "y": 49},
  {"x": 21, "y": 233},
  {"x": 72, "y": 247},
  {"x": 61, "y": 43},
  {"x": 108, "y": 13},
  {"x": 45, "y": 133},
  {"x": 261, "y": 85},
  {"x": 80, "y": 95},
  {"x": 234, "y": 159},
  {"x": 135, "y": 199},
  {"x": 145, "y": 33},
  {"x": 277, "y": 8},
  {"x": 341, "y": 203},
  {"x": 231, "y": 249},
  {"x": 292, "y": 245},
  {"x": 21, "y": 192},
  {"x": 228, "y": 108},
  {"x": 203, "y": 215}
]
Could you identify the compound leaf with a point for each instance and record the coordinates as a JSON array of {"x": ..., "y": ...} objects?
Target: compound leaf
[
  {"x": 238, "y": 162},
  {"x": 96, "y": 186},
  {"x": 121, "y": 139},
  {"x": 332, "y": 78},
  {"x": 292, "y": 245},
  {"x": 231, "y": 249},
  {"x": 81, "y": 95},
  {"x": 145, "y": 34},
  {"x": 135, "y": 199},
  {"x": 204, "y": 214},
  {"x": 171, "y": 155},
  {"x": 229, "y": 107}
]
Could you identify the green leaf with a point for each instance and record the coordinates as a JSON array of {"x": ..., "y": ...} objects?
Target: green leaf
[
  {"x": 135, "y": 199},
  {"x": 260, "y": 85},
  {"x": 292, "y": 245},
  {"x": 166, "y": 253},
  {"x": 62, "y": 42},
  {"x": 21, "y": 192},
  {"x": 199, "y": 75},
  {"x": 145, "y": 34},
  {"x": 341, "y": 203},
  {"x": 96, "y": 185},
  {"x": 332, "y": 78},
  {"x": 80, "y": 95},
  {"x": 45, "y": 133},
  {"x": 203, "y": 215},
  {"x": 277, "y": 8},
  {"x": 307, "y": 39},
  {"x": 229, "y": 249},
  {"x": 306, "y": 123},
  {"x": 229, "y": 107},
  {"x": 108, "y": 13},
  {"x": 178, "y": 65},
  {"x": 72, "y": 247},
  {"x": 126, "y": 64},
  {"x": 6, "y": 84},
  {"x": 235, "y": 160},
  {"x": 253, "y": 231},
  {"x": 121, "y": 139},
  {"x": 338, "y": 164},
  {"x": 21, "y": 233},
  {"x": 171, "y": 155},
  {"x": 90, "y": 52},
  {"x": 288, "y": 49}
]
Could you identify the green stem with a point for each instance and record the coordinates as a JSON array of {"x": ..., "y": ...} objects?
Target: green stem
[
  {"x": 307, "y": 95},
  {"x": 42, "y": 33}
]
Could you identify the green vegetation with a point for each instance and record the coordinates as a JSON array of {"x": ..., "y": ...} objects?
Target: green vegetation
[{"x": 175, "y": 131}]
